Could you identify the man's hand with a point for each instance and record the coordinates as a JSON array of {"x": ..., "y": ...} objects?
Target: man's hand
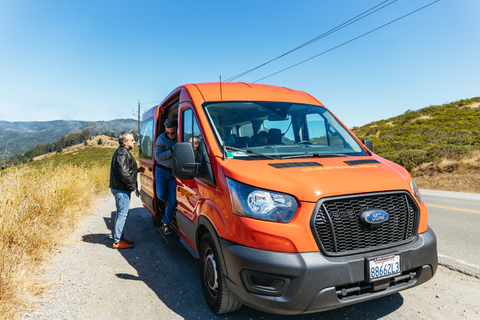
[
  {"x": 141, "y": 169},
  {"x": 137, "y": 193}
]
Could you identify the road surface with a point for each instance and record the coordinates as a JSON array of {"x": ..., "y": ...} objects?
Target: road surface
[
  {"x": 455, "y": 218},
  {"x": 90, "y": 280}
]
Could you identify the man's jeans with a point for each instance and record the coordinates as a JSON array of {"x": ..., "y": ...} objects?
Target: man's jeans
[
  {"x": 166, "y": 186},
  {"x": 122, "y": 201}
]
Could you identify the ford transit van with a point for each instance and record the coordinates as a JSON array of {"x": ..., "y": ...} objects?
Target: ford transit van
[{"x": 285, "y": 209}]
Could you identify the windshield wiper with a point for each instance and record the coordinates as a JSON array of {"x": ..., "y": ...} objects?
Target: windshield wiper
[
  {"x": 250, "y": 152},
  {"x": 315, "y": 155}
]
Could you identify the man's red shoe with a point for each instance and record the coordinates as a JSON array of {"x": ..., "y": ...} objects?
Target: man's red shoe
[{"x": 122, "y": 245}]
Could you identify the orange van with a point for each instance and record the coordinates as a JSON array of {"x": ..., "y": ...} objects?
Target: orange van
[{"x": 286, "y": 210}]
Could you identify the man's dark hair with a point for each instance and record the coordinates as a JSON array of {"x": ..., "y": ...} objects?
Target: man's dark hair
[{"x": 171, "y": 123}]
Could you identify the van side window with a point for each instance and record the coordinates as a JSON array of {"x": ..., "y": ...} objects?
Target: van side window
[
  {"x": 191, "y": 133},
  {"x": 146, "y": 140}
]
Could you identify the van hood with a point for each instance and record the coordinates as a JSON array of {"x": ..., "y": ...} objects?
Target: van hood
[{"x": 312, "y": 179}]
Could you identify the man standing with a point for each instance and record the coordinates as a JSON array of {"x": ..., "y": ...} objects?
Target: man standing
[
  {"x": 166, "y": 184},
  {"x": 123, "y": 180}
]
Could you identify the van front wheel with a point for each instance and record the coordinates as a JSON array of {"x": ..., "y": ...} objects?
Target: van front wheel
[{"x": 218, "y": 297}]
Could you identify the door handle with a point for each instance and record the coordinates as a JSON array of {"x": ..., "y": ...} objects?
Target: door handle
[{"x": 150, "y": 169}]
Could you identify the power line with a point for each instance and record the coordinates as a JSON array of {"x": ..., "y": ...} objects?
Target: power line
[
  {"x": 323, "y": 35},
  {"x": 351, "y": 40},
  {"x": 153, "y": 102}
]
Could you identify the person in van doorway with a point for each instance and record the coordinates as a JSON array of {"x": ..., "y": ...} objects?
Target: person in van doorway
[
  {"x": 166, "y": 184},
  {"x": 123, "y": 180},
  {"x": 195, "y": 141}
]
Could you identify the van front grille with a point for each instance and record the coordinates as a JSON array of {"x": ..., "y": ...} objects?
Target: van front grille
[{"x": 339, "y": 230}]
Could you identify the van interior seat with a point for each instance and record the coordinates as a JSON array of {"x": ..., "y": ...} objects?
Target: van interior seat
[{"x": 275, "y": 136}]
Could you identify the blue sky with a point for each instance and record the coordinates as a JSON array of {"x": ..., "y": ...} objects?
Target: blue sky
[{"x": 95, "y": 59}]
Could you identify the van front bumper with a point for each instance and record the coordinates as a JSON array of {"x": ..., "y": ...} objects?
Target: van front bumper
[{"x": 294, "y": 283}]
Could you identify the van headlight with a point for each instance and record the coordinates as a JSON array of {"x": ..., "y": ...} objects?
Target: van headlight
[
  {"x": 262, "y": 204},
  {"x": 416, "y": 191}
]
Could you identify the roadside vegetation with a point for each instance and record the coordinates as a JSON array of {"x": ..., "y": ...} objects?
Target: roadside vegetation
[
  {"x": 439, "y": 145},
  {"x": 41, "y": 203}
]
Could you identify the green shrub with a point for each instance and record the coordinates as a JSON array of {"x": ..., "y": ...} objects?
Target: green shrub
[{"x": 427, "y": 134}]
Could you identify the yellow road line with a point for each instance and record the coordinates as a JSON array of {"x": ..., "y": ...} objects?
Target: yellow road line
[{"x": 452, "y": 208}]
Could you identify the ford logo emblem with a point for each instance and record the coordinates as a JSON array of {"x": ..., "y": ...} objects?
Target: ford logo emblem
[{"x": 374, "y": 216}]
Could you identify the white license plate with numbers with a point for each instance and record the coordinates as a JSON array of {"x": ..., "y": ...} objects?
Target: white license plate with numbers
[{"x": 383, "y": 267}]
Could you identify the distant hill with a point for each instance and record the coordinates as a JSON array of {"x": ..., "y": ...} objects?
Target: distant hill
[
  {"x": 18, "y": 137},
  {"x": 427, "y": 135}
]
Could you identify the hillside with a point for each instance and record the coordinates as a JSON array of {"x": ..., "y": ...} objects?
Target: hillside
[
  {"x": 98, "y": 149},
  {"x": 436, "y": 144},
  {"x": 85, "y": 155},
  {"x": 18, "y": 137}
]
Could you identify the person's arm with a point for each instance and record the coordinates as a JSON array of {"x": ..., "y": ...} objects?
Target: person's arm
[
  {"x": 123, "y": 168},
  {"x": 162, "y": 153},
  {"x": 162, "y": 150}
]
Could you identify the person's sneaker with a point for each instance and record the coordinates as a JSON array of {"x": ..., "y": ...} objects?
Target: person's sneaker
[
  {"x": 166, "y": 229},
  {"x": 128, "y": 241},
  {"x": 122, "y": 245}
]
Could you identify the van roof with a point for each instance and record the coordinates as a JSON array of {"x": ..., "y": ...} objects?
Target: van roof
[
  {"x": 237, "y": 91},
  {"x": 241, "y": 91}
]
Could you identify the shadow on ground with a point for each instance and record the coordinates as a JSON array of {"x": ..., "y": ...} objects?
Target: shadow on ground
[{"x": 173, "y": 275}]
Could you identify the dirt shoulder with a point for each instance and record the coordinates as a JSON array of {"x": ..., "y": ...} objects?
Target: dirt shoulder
[{"x": 90, "y": 280}]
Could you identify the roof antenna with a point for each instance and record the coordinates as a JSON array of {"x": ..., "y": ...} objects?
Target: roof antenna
[{"x": 223, "y": 128}]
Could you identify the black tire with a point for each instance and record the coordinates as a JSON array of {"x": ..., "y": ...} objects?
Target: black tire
[{"x": 218, "y": 297}]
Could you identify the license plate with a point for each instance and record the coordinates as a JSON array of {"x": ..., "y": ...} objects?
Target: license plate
[{"x": 383, "y": 267}]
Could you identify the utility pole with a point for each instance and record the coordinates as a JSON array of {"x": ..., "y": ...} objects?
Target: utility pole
[{"x": 138, "y": 119}]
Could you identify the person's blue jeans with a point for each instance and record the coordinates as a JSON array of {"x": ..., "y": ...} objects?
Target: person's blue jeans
[
  {"x": 122, "y": 201},
  {"x": 166, "y": 186}
]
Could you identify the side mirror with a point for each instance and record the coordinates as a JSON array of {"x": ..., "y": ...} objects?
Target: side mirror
[
  {"x": 368, "y": 144},
  {"x": 184, "y": 166}
]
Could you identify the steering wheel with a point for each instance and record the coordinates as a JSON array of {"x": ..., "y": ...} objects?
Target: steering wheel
[{"x": 305, "y": 142}]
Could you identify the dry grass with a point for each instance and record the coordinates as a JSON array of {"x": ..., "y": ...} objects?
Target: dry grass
[
  {"x": 453, "y": 173},
  {"x": 474, "y": 105},
  {"x": 38, "y": 207}
]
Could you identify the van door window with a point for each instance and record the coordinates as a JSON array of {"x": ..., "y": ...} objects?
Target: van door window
[
  {"x": 146, "y": 140},
  {"x": 191, "y": 133}
]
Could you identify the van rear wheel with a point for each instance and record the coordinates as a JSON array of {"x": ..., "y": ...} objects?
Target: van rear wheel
[{"x": 218, "y": 297}]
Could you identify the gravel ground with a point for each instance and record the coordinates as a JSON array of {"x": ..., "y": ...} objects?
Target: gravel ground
[{"x": 154, "y": 280}]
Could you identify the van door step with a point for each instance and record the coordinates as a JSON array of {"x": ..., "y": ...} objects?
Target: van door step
[{"x": 172, "y": 240}]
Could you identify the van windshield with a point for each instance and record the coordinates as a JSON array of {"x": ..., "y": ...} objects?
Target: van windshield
[{"x": 260, "y": 129}]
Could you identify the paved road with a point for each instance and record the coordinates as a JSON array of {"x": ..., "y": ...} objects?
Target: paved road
[{"x": 455, "y": 218}]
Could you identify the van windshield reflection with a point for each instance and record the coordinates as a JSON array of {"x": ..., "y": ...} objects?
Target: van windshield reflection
[{"x": 279, "y": 130}]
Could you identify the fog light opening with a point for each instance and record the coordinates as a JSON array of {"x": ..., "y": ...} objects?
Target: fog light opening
[{"x": 264, "y": 283}]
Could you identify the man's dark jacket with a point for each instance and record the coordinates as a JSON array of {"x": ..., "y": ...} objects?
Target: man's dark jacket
[{"x": 123, "y": 170}]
